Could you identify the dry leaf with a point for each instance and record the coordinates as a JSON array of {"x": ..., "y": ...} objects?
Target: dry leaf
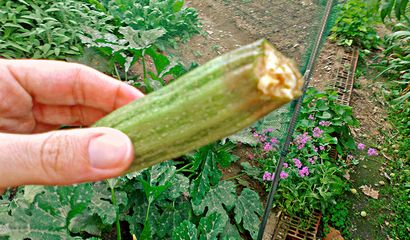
[
  {"x": 334, "y": 235},
  {"x": 370, "y": 192}
]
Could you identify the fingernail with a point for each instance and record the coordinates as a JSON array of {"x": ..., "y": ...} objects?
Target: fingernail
[{"x": 109, "y": 150}]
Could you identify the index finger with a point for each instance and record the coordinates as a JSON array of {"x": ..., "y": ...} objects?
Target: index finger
[{"x": 62, "y": 83}]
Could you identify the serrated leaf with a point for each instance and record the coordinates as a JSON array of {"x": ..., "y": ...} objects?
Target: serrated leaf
[
  {"x": 50, "y": 212},
  {"x": 210, "y": 227},
  {"x": 172, "y": 216},
  {"x": 225, "y": 158},
  {"x": 33, "y": 227},
  {"x": 30, "y": 192},
  {"x": 185, "y": 231},
  {"x": 179, "y": 186},
  {"x": 147, "y": 231},
  {"x": 217, "y": 199},
  {"x": 251, "y": 171},
  {"x": 140, "y": 39},
  {"x": 210, "y": 174},
  {"x": 86, "y": 223},
  {"x": 248, "y": 208},
  {"x": 244, "y": 136},
  {"x": 34, "y": 223},
  {"x": 230, "y": 232}
]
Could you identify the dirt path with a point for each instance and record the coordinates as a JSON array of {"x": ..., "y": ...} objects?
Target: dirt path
[{"x": 229, "y": 24}]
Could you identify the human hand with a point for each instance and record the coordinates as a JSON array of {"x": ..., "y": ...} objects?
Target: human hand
[{"x": 37, "y": 97}]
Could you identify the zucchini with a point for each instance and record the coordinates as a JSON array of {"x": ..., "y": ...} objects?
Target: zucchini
[{"x": 213, "y": 101}]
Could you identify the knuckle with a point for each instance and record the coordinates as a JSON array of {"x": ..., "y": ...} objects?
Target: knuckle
[{"x": 53, "y": 158}]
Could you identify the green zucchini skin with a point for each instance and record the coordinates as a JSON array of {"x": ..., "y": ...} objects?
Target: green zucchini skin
[{"x": 213, "y": 101}]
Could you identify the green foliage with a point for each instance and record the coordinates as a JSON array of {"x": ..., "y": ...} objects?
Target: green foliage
[
  {"x": 46, "y": 29},
  {"x": 204, "y": 164},
  {"x": 354, "y": 26},
  {"x": 398, "y": 6},
  {"x": 185, "y": 231},
  {"x": 323, "y": 107},
  {"x": 209, "y": 228},
  {"x": 337, "y": 216},
  {"x": 247, "y": 210},
  {"x": 218, "y": 199},
  {"x": 173, "y": 200},
  {"x": 51, "y": 212},
  {"x": 155, "y": 203},
  {"x": 222, "y": 199},
  {"x": 142, "y": 32},
  {"x": 311, "y": 179},
  {"x": 178, "y": 22},
  {"x": 395, "y": 64}
]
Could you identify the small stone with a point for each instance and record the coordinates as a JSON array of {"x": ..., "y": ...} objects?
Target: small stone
[
  {"x": 363, "y": 214},
  {"x": 354, "y": 191},
  {"x": 382, "y": 183}
]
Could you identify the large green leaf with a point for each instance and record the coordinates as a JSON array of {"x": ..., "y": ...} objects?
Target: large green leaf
[
  {"x": 210, "y": 173},
  {"x": 252, "y": 171},
  {"x": 179, "y": 186},
  {"x": 140, "y": 39},
  {"x": 185, "y": 231},
  {"x": 34, "y": 223},
  {"x": 230, "y": 232},
  {"x": 173, "y": 213},
  {"x": 210, "y": 227},
  {"x": 51, "y": 212},
  {"x": 219, "y": 198},
  {"x": 248, "y": 208}
]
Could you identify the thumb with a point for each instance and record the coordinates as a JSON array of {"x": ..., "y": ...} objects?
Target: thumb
[{"x": 63, "y": 157}]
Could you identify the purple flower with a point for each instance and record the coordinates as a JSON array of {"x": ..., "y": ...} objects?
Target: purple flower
[
  {"x": 372, "y": 152},
  {"x": 267, "y": 147},
  {"x": 311, "y": 160},
  {"x": 284, "y": 175},
  {"x": 315, "y": 149},
  {"x": 285, "y": 165},
  {"x": 274, "y": 140},
  {"x": 304, "y": 172},
  {"x": 267, "y": 176},
  {"x": 315, "y": 158},
  {"x": 302, "y": 139},
  {"x": 297, "y": 163},
  {"x": 349, "y": 157},
  {"x": 269, "y": 130},
  {"x": 311, "y": 117},
  {"x": 255, "y": 134},
  {"x": 361, "y": 146},
  {"x": 321, "y": 148},
  {"x": 317, "y": 132},
  {"x": 324, "y": 123}
]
